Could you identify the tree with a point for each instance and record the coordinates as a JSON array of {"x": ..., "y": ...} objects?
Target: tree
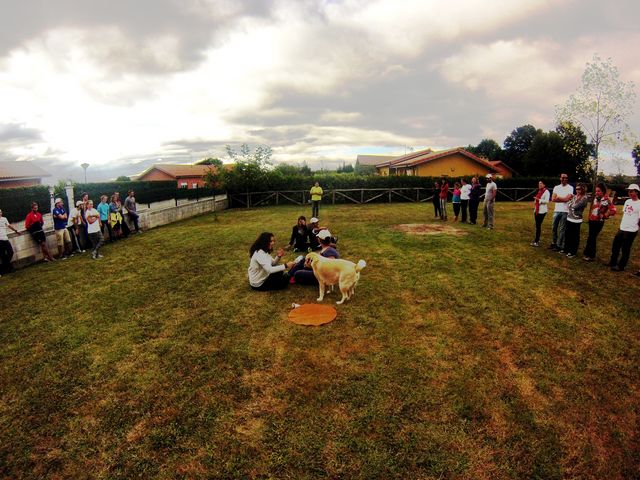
[
  {"x": 345, "y": 168},
  {"x": 635, "y": 153},
  {"x": 600, "y": 107},
  {"x": 516, "y": 146},
  {"x": 214, "y": 177},
  {"x": 545, "y": 156},
  {"x": 208, "y": 161},
  {"x": 123, "y": 178},
  {"x": 488, "y": 148},
  {"x": 250, "y": 168},
  {"x": 578, "y": 150},
  {"x": 261, "y": 155}
]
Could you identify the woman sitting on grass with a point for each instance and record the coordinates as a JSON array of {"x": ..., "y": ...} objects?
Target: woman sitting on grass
[
  {"x": 264, "y": 271},
  {"x": 300, "y": 235}
]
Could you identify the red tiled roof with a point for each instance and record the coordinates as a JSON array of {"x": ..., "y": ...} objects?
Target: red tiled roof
[
  {"x": 423, "y": 156},
  {"x": 500, "y": 164},
  {"x": 21, "y": 170},
  {"x": 180, "y": 171}
]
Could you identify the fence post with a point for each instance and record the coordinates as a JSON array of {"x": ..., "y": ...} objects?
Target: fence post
[
  {"x": 333, "y": 197},
  {"x": 277, "y": 198},
  {"x": 418, "y": 195},
  {"x": 389, "y": 195},
  {"x": 362, "y": 195},
  {"x": 197, "y": 194}
]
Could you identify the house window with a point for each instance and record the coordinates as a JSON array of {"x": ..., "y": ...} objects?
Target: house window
[
  {"x": 194, "y": 185},
  {"x": 183, "y": 184}
]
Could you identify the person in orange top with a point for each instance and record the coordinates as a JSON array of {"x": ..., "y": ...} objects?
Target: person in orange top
[{"x": 34, "y": 225}]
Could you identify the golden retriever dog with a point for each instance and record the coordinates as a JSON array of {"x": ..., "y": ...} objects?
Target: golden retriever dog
[{"x": 331, "y": 271}]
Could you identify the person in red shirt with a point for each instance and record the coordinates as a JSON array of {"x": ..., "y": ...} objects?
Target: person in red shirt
[{"x": 34, "y": 225}]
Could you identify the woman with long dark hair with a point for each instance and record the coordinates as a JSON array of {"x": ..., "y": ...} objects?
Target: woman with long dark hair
[
  {"x": 265, "y": 271},
  {"x": 574, "y": 220},
  {"x": 300, "y": 234},
  {"x": 601, "y": 209},
  {"x": 540, "y": 207}
]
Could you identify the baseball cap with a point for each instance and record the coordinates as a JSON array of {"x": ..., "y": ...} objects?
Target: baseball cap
[
  {"x": 489, "y": 175},
  {"x": 58, "y": 200},
  {"x": 323, "y": 234},
  {"x": 314, "y": 220},
  {"x": 634, "y": 186},
  {"x": 78, "y": 203}
]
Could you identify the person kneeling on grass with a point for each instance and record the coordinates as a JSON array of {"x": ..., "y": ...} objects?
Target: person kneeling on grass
[
  {"x": 93, "y": 229},
  {"x": 265, "y": 271},
  {"x": 305, "y": 276}
]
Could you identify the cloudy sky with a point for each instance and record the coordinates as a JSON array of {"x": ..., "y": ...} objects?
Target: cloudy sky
[{"x": 122, "y": 84}]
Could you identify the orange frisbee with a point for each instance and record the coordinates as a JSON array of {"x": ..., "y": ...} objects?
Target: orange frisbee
[{"x": 312, "y": 314}]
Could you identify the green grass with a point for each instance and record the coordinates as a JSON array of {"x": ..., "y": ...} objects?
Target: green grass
[{"x": 471, "y": 356}]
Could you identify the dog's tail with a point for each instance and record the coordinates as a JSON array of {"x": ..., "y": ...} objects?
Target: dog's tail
[{"x": 361, "y": 264}]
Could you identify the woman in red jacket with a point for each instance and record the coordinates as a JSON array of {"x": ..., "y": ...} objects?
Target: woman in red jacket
[{"x": 33, "y": 224}]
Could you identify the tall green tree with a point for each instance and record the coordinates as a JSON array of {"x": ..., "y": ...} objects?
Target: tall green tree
[
  {"x": 516, "y": 146},
  {"x": 250, "y": 170},
  {"x": 488, "y": 148},
  {"x": 600, "y": 107}
]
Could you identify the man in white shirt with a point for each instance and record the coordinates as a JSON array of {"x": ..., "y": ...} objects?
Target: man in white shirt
[
  {"x": 489, "y": 202},
  {"x": 629, "y": 226},
  {"x": 464, "y": 199},
  {"x": 6, "y": 250},
  {"x": 560, "y": 196}
]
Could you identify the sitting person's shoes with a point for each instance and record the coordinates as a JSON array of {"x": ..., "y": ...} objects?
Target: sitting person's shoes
[{"x": 616, "y": 268}]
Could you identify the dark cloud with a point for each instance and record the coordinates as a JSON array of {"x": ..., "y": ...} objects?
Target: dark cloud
[
  {"x": 16, "y": 134},
  {"x": 192, "y": 23}
]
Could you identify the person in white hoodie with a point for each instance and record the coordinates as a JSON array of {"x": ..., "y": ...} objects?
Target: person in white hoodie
[
  {"x": 629, "y": 226},
  {"x": 266, "y": 272}
]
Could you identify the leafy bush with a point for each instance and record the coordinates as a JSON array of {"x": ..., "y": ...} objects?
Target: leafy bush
[{"x": 16, "y": 202}]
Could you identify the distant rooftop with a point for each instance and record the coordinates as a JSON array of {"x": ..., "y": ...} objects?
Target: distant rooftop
[{"x": 21, "y": 171}]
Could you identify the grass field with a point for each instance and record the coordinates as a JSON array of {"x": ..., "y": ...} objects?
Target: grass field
[{"x": 461, "y": 356}]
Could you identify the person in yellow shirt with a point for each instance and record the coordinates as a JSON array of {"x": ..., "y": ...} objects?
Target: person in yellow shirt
[{"x": 316, "y": 195}]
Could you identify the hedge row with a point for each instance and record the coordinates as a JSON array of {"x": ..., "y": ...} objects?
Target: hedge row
[{"x": 15, "y": 203}]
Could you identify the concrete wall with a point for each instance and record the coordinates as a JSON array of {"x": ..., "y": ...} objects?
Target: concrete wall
[{"x": 26, "y": 251}]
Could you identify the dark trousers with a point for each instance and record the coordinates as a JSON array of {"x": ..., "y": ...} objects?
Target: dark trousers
[
  {"x": 6, "y": 254},
  {"x": 539, "y": 217},
  {"x": 594, "y": 230},
  {"x": 572, "y": 237},
  {"x": 134, "y": 219},
  {"x": 436, "y": 206},
  {"x": 315, "y": 208},
  {"x": 622, "y": 241},
  {"x": 456, "y": 209},
  {"x": 473, "y": 210},
  {"x": 275, "y": 281},
  {"x": 106, "y": 225},
  {"x": 464, "y": 204}
]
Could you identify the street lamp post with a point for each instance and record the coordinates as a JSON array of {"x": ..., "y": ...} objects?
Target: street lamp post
[{"x": 85, "y": 166}]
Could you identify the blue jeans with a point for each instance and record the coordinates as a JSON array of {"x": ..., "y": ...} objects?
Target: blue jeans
[{"x": 559, "y": 223}]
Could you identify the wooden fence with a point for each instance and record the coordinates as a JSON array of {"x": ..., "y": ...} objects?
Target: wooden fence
[{"x": 359, "y": 196}]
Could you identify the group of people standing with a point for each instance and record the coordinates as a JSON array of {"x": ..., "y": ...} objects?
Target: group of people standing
[
  {"x": 465, "y": 197},
  {"x": 82, "y": 228},
  {"x": 569, "y": 207}
]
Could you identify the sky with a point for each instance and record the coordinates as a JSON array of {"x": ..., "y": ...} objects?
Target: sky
[{"x": 122, "y": 84}]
